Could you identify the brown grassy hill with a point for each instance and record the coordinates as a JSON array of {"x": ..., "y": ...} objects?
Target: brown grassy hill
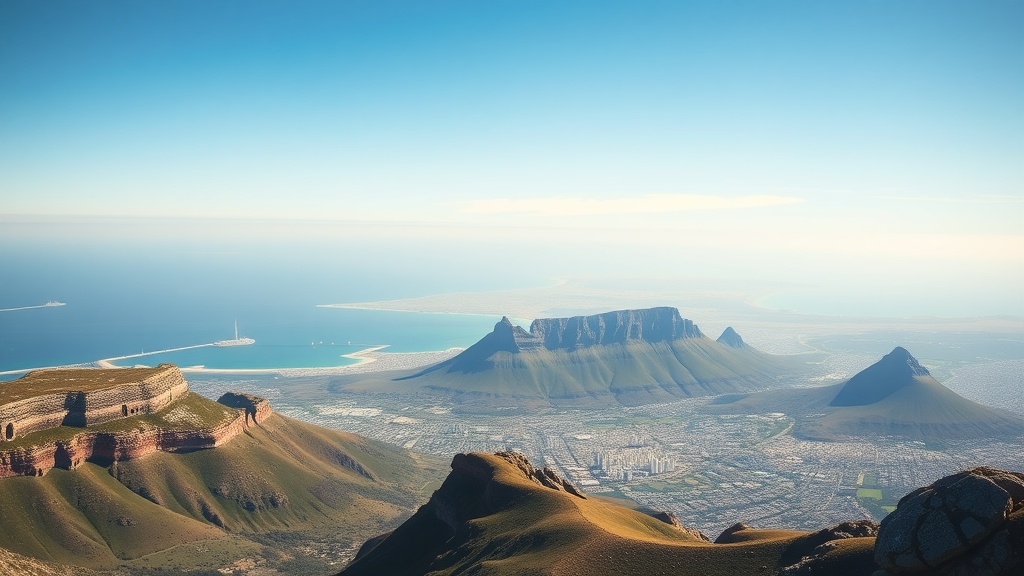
[
  {"x": 280, "y": 485},
  {"x": 496, "y": 515}
]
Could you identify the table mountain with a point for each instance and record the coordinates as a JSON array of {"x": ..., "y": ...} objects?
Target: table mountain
[{"x": 626, "y": 356}]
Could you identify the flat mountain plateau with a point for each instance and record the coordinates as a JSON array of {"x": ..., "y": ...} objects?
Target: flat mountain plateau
[
  {"x": 273, "y": 492},
  {"x": 896, "y": 397},
  {"x": 625, "y": 357}
]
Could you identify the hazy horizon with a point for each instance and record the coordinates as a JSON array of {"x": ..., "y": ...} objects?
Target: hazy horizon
[{"x": 871, "y": 153}]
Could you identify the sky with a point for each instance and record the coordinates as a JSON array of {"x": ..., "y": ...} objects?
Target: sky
[{"x": 867, "y": 144}]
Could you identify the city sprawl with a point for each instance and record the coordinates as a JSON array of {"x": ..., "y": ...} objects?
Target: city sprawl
[{"x": 711, "y": 470}]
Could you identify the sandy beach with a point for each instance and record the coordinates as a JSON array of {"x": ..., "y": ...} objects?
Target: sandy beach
[{"x": 370, "y": 359}]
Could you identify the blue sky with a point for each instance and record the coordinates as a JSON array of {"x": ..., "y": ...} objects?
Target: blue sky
[{"x": 835, "y": 131}]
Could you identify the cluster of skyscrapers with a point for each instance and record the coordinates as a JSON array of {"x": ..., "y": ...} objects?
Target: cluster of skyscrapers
[{"x": 625, "y": 464}]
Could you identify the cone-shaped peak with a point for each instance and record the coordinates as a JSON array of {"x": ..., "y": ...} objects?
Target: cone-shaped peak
[
  {"x": 900, "y": 360},
  {"x": 731, "y": 338},
  {"x": 894, "y": 371}
]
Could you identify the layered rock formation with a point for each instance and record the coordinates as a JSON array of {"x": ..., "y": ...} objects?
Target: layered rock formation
[
  {"x": 568, "y": 334},
  {"x": 649, "y": 325},
  {"x": 180, "y": 430},
  {"x": 256, "y": 409},
  {"x": 46, "y": 399}
]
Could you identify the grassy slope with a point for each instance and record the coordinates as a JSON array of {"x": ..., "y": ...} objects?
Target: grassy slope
[
  {"x": 630, "y": 373},
  {"x": 11, "y": 563},
  {"x": 85, "y": 517},
  {"x": 528, "y": 529},
  {"x": 924, "y": 409},
  {"x": 282, "y": 476}
]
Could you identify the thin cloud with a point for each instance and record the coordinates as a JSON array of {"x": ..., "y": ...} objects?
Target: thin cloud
[
  {"x": 966, "y": 199},
  {"x": 648, "y": 204}
]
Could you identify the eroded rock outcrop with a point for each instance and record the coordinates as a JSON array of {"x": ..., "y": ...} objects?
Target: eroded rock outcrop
[
  {"x": 815, "y": 548},
  {"x": 544, "y": 476},
  {"x": 673, "y": 521},
  {"x": 957, "y": 526},
  {"x": 256, "y": 409},
  {"x": 649, "y": 325},
  {"x": 134, "y": 393}
]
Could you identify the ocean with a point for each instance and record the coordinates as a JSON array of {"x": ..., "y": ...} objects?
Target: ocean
[
  {"x": 124, "y": 297},
  {"x": 287, "y": 336}
]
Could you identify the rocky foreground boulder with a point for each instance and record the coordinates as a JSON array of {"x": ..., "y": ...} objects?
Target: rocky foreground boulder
[{"x": 970, "y": 523}]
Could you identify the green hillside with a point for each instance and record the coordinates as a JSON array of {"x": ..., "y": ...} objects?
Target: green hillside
[
  {"x": 630, "y": 373},
  {"x": 281, "y": 484},
  {"x": 17, "y": 564}
]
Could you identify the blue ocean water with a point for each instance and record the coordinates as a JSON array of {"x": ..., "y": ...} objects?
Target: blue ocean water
[
  {"x": 286, "y": 336},
  {"x": 124, "y": 299}
]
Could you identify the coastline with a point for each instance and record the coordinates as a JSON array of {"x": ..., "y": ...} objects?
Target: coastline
[
  {"x": 370, "y": 359},
  {"x": 367, "y": 360}
]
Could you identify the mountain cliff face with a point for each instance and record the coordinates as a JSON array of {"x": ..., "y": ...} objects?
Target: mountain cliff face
[
  {"x": 627, "y": 357},
  {"x": 619, "y": 327},
  {"x": 186, "y": 423}
]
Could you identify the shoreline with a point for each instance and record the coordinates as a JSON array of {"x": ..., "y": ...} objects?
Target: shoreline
[
  {"x": 370, "y": 359},
  {"x": 367, "y": 360}
]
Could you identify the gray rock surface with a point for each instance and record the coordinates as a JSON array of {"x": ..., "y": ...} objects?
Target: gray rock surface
[
  {"x": 649, "y": 325},
  {"x": 955, "y": 526}
]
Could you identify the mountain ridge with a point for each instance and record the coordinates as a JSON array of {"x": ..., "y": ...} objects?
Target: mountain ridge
[{"x": 625, "y": 356}]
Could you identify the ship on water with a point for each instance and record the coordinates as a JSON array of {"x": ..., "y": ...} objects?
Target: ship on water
[
  {"x": 55, "y": 303},
  {"x": 236, "y": 341}
]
